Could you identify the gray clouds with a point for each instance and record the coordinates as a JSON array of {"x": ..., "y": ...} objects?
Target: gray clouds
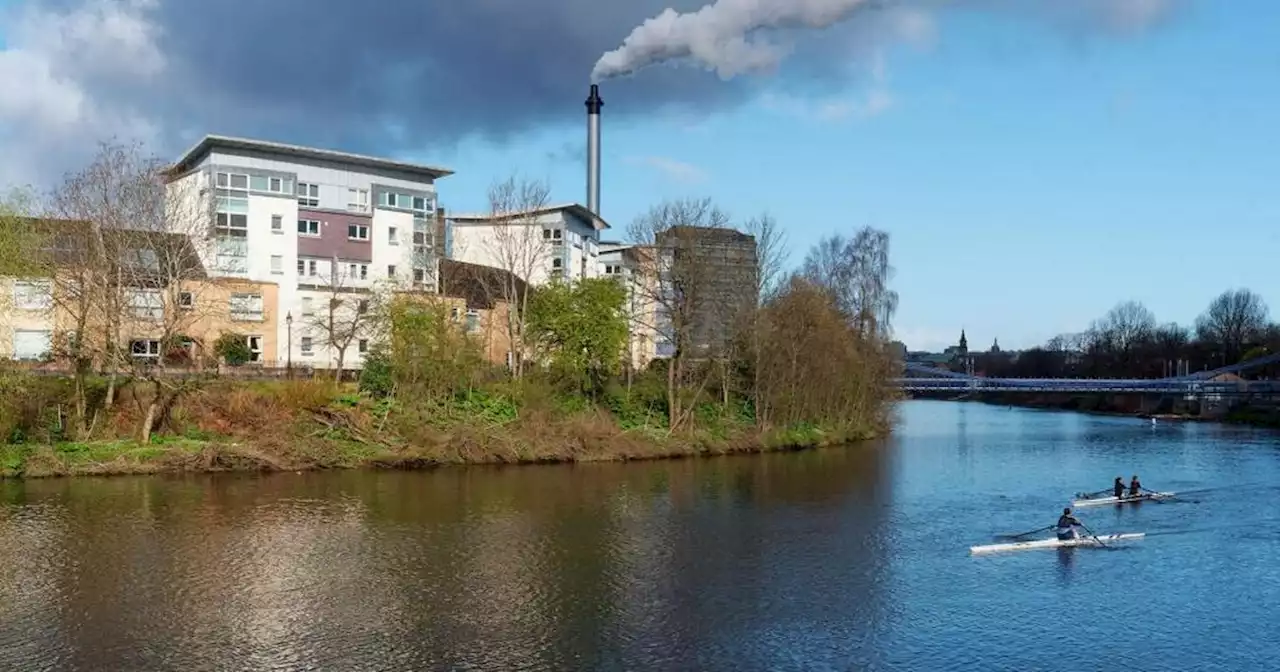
[{"x": 381, "y": 77}]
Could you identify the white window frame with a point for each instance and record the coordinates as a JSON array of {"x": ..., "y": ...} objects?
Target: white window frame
[
  {"x": 308, "y": 194},
  {"x": 32, "y": 294},
  {"x": 186, "y": 300},
  {"x": 356, "y": 231},
  {"x": 391, "y": 270},
  {"x": 309, "y": 225},
  {"x": 419, "y": 276},
  {"x": 358, "y": 200},
  {"x": 245, "y": 307},
  {"x": 47, "y": 336},
  {"x": 362, "y": 346},
  {"x": 146, "y": 304},
  {"x": 308, "y": 306},
  {"x": 151, "y": 348},
  {"x": 277, "y": 264},
  {"x": 254, "y": 344},
  {"x": 224, "y": 180},
  {"x": 306, "y": 347},
  {"x": 275, "y": 185},
  {"x": 391, "y": 235},
  {"x": 277, "y": 224}
]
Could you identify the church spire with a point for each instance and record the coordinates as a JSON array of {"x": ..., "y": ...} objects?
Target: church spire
[{"x": 964, "y": 342}]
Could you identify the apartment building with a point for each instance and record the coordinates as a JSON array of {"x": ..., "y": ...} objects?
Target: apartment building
[
  {"x": 634, "y": 266},
  {"x": 558, "y": 241},
  {"x": 323, "y": 226},
  {"x": 148, "y": 290}
]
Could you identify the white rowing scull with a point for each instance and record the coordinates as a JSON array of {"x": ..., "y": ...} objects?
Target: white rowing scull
[
  {"x": 1039, "y": 544},
  {"x": 1127, "y": 499}
]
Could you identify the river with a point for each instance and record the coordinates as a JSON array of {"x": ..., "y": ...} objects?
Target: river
[{"x": 841, "y": 559}]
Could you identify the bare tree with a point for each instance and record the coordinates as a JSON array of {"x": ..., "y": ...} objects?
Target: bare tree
[
  {"x": 1237, "y": 318},
  {"x": 129, "y": 269},
  {"x": 856, "y": 272},
  {"x": 518, "y": 246},
  {"x": 682, "y": 292},
  {"x": 352, "y": 311},
  {"x": 771, "y": 256}
]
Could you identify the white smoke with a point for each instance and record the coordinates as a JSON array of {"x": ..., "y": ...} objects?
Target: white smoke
[
  {"x": 720, "y": 35},
  {"x": 730, "y": 36}
]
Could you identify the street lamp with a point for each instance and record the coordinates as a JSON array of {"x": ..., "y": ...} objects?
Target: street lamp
[{"x": 288, "y": 322}]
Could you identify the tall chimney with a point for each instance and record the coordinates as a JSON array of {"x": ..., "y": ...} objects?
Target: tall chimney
[{"x": 594, "y": 103}]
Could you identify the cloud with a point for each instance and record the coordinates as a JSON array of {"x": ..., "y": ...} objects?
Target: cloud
[
  {"x": 672, "y": 169},
  {"x": 411, "y": 78}
]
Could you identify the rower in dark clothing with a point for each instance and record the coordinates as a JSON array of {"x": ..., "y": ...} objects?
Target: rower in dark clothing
[
  {"x": 1118, "y": 487},
  {"x": 1067, "y": 526},
  {"x": 1135, "y": 487}
]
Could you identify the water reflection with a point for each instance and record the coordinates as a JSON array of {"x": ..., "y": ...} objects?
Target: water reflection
[{"x": 528, "y": 568}]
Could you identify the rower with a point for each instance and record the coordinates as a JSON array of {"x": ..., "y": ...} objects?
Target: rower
[
  {"x": 1067, "y": 524},
  {"x": 1118, "y": 487},
  {"x": 1135, "y": 487}
]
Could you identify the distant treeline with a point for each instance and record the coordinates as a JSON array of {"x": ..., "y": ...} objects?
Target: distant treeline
[{"x": 1128, "y": 342}]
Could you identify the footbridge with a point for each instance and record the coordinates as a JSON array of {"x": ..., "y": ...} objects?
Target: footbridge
[{"x": 922, "y": 378}]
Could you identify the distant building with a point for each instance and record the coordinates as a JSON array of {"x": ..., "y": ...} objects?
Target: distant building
[{"x": 725, "y": 264}]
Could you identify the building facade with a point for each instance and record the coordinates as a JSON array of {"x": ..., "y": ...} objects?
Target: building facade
[
  {"x": 634, "y": 267},
  {"x": 559, "y": 241},
  {"x": 323, "y": 226},
  {"x": 713, "y": 273}
]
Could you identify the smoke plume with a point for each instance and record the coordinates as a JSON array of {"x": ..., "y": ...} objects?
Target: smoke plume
[
  {"x": 721, "y": 35},
  {"x": 731, "y": 37}
]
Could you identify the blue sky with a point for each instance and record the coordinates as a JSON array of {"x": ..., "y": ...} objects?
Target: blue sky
[
  {"x": 1030, "y": 179},
  {"x": 1031, "y": 175}
]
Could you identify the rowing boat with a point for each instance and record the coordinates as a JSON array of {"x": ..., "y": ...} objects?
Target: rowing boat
[
  {"x": 1103, "y": 501},
  {"x": 1056, "y": 543}
]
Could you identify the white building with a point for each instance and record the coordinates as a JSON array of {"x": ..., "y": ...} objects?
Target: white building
[
  {"x": 314, "y": 222},
  {"x": 536, "y": 245}
]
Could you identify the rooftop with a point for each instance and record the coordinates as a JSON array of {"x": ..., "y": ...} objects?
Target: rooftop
[
  {"x": 211, "y": 142},
  {"x": 575, "y": 209}
]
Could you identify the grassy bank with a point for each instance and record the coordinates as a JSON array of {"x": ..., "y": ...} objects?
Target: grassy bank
[{"x": 305, "y": 425}]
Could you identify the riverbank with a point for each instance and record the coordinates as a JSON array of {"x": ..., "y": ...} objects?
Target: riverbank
[
  {"x": 1255, "y": 414},
  {"x": 313, "y": 425}
]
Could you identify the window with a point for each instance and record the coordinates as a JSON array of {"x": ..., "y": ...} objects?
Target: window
[
  {"x": 246, "y": 307},
  {"x": 277, "y": 264},
  {"x": 308, "y": 227},
  {"x": 308, "y": 307},
  {"x": 362, "y": 306},
  {"x": 146, "y": 304},
  {"x": 186, "y": 301},
  {"x": 391, "y": 271},
  {"x": 557, "y": 263},
  {"x": 389, "y": 199},
  {"x": 309, "y": 195},
  {"x": 275, "y": 184},
  {"x": 231, "y": 241},
  {"x": 144, "y": 348},
  {"x": 32, "y": 344},
  {"x": 419, "y": 276},
  {"x": 363, "y": 345},
  {"x": 420, "y": 238},
  {"x": 277, "y": 224},
  {"x": 358, "y": 200},
  {"x": 255, "y": 347},
  {"x": 391, "y": 236},
  {"x": 32, "y": 294},
  {"x": 358, "y": 232},
  {"x": 473, "y": 321},
  {"x": 306, "y": 267},
  {"x": 306, "y": 345},
  {"x": 232, "y": 193},
  {"x": 556, "y": 236}
]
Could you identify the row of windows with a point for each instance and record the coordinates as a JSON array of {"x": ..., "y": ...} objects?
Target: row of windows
[
  {"x": 148, "y": 304},
  {"x": 238, "y": 185}
]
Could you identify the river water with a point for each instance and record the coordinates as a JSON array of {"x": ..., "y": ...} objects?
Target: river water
[{"x": 843, "y": 559}]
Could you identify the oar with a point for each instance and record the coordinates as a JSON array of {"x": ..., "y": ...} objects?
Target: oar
[
  {"x": 1095, "y": 537},
  {"x": 1019, "y": 536}
]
